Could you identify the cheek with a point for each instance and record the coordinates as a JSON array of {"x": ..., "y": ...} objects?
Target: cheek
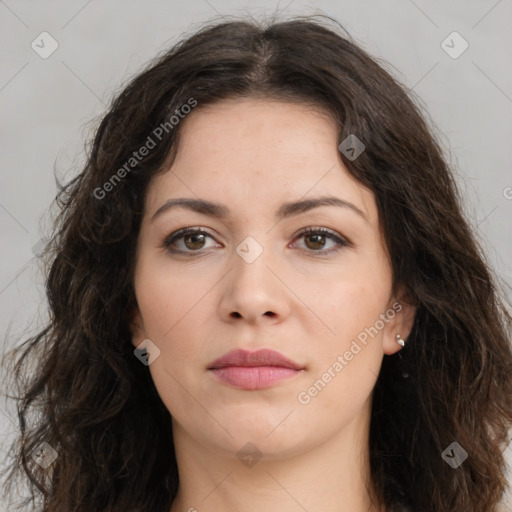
[
  {"x": 344, "y": 368},
  {"x": 178, "y": 368},
  {"x": 170, "y": 307},
  {"x": 177, "y": 392},
  {"x": 354, "y": 303},
  {"x": 167, "y": 295},
  {"x": 352, "y": 310}
]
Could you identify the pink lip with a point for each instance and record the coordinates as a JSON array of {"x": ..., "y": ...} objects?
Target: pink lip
[{"x": 253, "y": 370}]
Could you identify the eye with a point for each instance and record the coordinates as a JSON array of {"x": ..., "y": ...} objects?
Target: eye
[
  {"x": 317, "y": 238},
  {"x": 193, "y": 238}
]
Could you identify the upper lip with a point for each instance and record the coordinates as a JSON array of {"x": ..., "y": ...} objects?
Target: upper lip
[{"x": 262, "y": 357}]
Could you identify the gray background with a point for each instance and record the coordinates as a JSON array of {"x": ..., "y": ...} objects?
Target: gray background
[{"x": 49, "y": 107}]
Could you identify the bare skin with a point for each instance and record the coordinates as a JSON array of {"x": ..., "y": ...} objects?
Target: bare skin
[{"x": 252, "y": 156}]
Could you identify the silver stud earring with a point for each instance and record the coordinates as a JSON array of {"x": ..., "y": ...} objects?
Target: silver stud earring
[{"x": 399, "y": 340}]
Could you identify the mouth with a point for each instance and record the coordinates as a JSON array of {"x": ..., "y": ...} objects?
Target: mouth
[{"x": 254, "y": 370}]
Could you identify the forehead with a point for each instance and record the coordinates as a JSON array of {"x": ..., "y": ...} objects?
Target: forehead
[
  {"x": 258, "y": 154},
  {"x": 263, "y": 129}
]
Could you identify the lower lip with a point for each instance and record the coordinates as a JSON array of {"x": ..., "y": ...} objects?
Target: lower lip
[{"x": 253, "y": 377}]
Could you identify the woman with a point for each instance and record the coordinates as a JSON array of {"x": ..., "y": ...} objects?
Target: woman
[{"x": 264, "y": 296}]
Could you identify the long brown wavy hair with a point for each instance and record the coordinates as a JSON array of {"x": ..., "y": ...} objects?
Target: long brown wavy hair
[{"x": 78, "y": 385}]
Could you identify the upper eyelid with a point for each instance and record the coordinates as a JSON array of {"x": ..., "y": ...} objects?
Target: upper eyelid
[{"x": 182, "y": 231}]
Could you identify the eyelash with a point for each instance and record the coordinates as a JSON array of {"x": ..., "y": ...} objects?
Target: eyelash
[{"x": 341, "y": 241}]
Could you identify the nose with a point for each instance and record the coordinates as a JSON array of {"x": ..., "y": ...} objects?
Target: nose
[{"x": 253, "y": 289}]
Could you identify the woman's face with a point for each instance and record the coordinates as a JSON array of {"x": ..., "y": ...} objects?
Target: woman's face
[{"x": 252, "y": 281}]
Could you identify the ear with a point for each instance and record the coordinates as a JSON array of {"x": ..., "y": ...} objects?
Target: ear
[
  {"x": 401, "y": 314},
  {"x": 137, "y": 327}
]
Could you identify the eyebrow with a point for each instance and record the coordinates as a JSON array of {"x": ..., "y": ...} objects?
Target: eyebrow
[{"x": 286, "y": 210}]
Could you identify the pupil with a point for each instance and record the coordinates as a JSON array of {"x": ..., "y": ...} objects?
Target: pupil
[
  {"x": 189, "y": 237},
  {"x": 319, "y": 239}
]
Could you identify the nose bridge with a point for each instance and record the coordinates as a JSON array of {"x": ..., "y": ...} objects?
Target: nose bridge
[
  {"x": 254, "y": 290},
  {"x": 251, "y": 259},
  {"x": 250, "y": 250}
]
